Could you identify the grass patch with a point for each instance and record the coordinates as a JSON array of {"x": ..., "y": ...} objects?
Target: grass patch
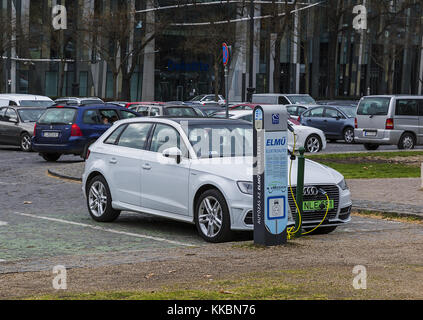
[
  {"x": 369, "y": 170},
  {"x": 276, "y": 285},
  {"x": 372, "y": 165}
]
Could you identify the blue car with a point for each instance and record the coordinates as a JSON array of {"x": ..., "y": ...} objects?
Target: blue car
[
  {"x": 337, "y": 122},
  {"x": 71, "y": 129}
]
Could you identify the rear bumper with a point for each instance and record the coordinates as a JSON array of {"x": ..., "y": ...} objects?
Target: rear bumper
[
  {"x": 74, "y": 146},
  {"x": 382, "y": 136}
]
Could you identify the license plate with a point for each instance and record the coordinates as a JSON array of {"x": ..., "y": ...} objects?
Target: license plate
[
  {"x": 370, "y": 133},
  {"x": 51, "y": 134},
  {"x": 318, "y": 205}
]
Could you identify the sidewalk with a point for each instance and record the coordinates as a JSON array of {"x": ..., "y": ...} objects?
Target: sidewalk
[{"x": 398, "y": 195}]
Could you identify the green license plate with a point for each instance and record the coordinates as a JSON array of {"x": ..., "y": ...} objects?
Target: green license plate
[{"x": 316, "y": 205}]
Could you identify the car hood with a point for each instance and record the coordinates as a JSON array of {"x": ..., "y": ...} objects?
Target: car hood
[{"x": 240, "y": 169}]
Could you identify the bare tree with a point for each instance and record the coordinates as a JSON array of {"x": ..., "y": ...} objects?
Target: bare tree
[{"x": 7, "y": 41}]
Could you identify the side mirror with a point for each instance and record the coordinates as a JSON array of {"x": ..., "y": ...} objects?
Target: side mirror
[{"x": 174, "y": 153}]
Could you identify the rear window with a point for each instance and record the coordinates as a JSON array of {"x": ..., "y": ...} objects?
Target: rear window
[
  {"x": 37, "y": 103},
  {"x": 373, "y": 106},
  {"x": 305, "y": 99},
  {"x": 30, "y": 115},
  {"x": 180, "y": 112},
  {"x": 58, "y": 116}
]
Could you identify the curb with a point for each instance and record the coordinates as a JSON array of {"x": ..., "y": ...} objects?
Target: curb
[
  {"x": 63, "y": 176},
  {"x": 398, "y": 213}
]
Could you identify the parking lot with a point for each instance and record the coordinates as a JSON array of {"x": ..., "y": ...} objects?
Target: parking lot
[{"x": 44, "y": 222}]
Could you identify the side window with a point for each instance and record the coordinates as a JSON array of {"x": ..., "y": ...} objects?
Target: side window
[
  {"x": 283, "y": 100},
  {"x": 301, "y": 110},
  {"x": 407, "y": 107},
  {"x": 2, "y": 112},
  {"x": 165, "y": 137},
  {"x": 331, "y": 113},
  {"x": 112, "y": 139},
  {"x": 11, "y": 115},
  {"x": 91, "y": 117},
  {"x": 135, "y": 135},
  {"x": 292, "y": 110},
  {"x": 108, "y": 116},
  {"x": 248, "y": 117},
  {"x": 127, "y": 114},
  {"x": 12, "y": 103},
  {"x": 420, "y": 108},
  {"x": 316, "y": 113},
  {"x": 154, "y": 112}
]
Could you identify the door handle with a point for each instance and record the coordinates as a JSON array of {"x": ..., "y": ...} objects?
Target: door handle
[
  {"x": 113, "y": 161},
  {"x": 146, "y": 166}
]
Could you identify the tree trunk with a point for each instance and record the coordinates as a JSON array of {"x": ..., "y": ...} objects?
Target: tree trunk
[
  {"x": 332, "y": 47},
  {"x": 115, "y": 85},
  {"x": 61, "y": 78},
  {"x": 216, "y": 79},
  {"x": 277, "y": 65},
  {"x": 126, "y": 87}
]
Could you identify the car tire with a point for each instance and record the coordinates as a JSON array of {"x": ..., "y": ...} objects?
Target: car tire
[
  {"x": 99, "y": 200},
  {"x": 51, "y": 157},
  {"x": 26, "y": 142},
  {"x": 212, "y": 217},
  {"x": 371, "y": 146},
  {"x": 349, "y": 135},
  {"x": 321, "y": 230},
  {"x": 313, "y": 144},
  {"x": 406, "y": 141}
]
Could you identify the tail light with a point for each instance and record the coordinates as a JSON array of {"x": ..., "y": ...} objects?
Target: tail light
[
  {"x": 35, "y": 128},
  {"x": 299, "y": 119},
  {"x": 88, "y": 154},
  {"x": 76, "y": 131},
  {"x": 355, "y": 123},
  {"x": 389, "y": 124}
]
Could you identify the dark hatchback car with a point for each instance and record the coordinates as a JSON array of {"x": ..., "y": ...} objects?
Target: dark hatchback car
[
  {"x": 337, "y": 122},
  {"x": 72, "y": 129},
  {"x": 17, "y": 125}
]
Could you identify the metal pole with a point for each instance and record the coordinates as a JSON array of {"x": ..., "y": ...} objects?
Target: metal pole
[
  {"x": 251, "y": 58},
  {"x": 227, "y": 92},
  {"x": 300, "y": 190}
]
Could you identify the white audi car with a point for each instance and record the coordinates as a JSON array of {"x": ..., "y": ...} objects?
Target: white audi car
[
  {"x": 197, "y": 170},
  {"x": 312, "y": 139}
]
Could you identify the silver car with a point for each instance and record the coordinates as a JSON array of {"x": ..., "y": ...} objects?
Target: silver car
[
  {"x": 17, "y": 125},
  {"x": 389, "y": 119}
]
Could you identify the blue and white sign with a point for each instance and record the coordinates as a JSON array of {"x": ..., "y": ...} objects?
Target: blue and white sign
[
  {"x": 258, "y": 117},
  {"x": 276, "y": 181},
  {"x": 225, "y": 54},
  {"x": 275, "y": 118}
]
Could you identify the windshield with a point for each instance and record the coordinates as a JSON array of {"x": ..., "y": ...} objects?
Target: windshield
[
  {"x": 221, "y": 140},
  {"x": 349, "y": 111},
  {"x": 197, "y": 98},
  {"x": 30, "y": 115},
  {"x": 35, "y": 103},
  {"x": 180, "y": 112},
  {"x": 58, "y": 116},
  {"x": 92, "y": 101},
  {"x": 302, "y": 99},
  {"x": 374, "y": 106}
]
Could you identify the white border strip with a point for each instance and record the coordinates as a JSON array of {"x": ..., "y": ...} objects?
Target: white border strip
[{"x": 136, "y": 235}]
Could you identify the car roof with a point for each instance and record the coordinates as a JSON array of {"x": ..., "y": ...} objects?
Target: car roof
[
  {"x": 22, "y": 96},
  {"x": 92, "y": 106}
]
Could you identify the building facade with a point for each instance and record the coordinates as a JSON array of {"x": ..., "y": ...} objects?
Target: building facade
[{"x": 315, "y": 47}]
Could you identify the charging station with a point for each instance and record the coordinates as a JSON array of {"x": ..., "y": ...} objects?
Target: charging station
[{"x": 270, "y": 169}]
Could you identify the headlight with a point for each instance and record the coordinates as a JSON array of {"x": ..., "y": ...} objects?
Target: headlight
[
  {"x": 343, "y": 185},
  {"x": 245, "y": 187}
]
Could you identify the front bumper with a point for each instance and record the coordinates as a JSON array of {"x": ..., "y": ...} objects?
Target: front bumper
[{"x": 242, "y": 211}]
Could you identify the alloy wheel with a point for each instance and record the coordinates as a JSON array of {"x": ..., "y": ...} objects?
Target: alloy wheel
[
  {"x": 210, "y": 216},
  {"x": 313, "y": 144},
  {"x": 97, "y": 199},
  {"x": 349, "y": 136},
  {"x": 26, "y": 142}
]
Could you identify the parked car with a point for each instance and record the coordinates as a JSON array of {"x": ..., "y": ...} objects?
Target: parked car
[
  {"x": 71, "y": 129},
  {"x": 337, "y": 122},
  {"x": 119, "y": 103},
  {"x": 25, "y": 100},
  {"x": 165, "y": 110},
  {"x": 312, "y": 139},
  {"x": 243, "y": 106},
  {"x": 391, "y": 119},
  {"x": 17, "y": 125},
  {"x": 129, "y": 168},
  {"x": 351, "y": 103},
  {"x": 130, "y": 104},
  {"x": 205, "y": 99},
  {"x": 278, "y": 98},
  {"x": 78, "y": 101}
]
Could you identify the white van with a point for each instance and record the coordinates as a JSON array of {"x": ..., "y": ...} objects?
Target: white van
[
  {"x": 279, "y": 98},
  {"x": 24, "y": 100}
]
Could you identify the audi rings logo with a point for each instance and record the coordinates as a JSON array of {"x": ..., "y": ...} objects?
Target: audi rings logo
[{"x": 311, "y": 191}]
